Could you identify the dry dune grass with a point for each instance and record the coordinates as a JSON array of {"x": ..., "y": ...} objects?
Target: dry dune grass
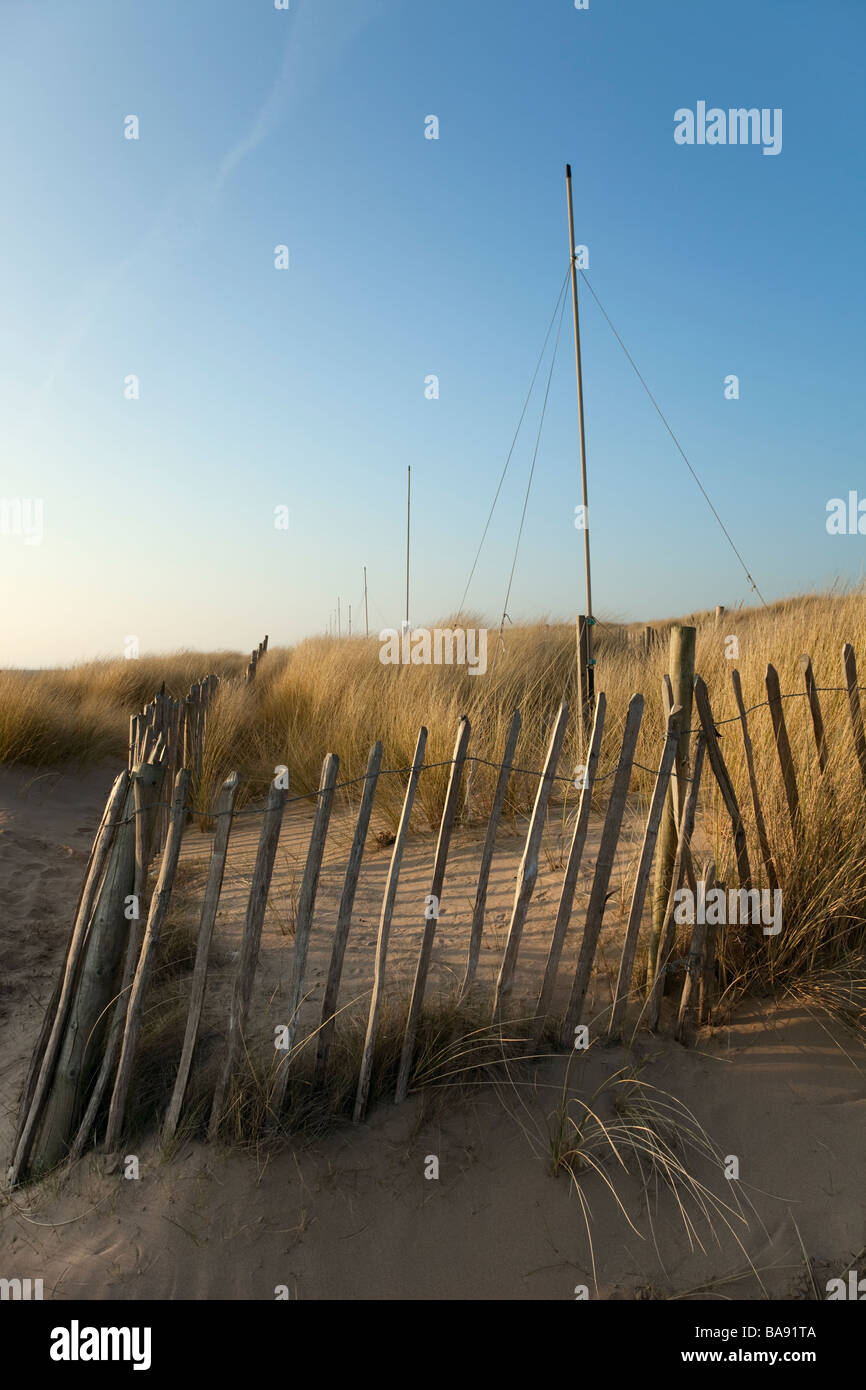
[{"x": 335, "y": 695}]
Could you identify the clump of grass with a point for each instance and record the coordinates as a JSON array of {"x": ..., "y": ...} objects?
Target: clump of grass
[
  {"x": 633, "y": 1127},
  {"x": 457, "y": 1048}
]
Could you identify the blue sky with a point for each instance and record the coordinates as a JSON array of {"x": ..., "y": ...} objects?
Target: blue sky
[{"x": 410, "y": 257}]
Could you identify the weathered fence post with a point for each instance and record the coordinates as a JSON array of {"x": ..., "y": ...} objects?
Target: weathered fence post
[
  {"x": 666, "y": 943},
  {"x": 603, "y": 867},
  {"x": 815, "y": 711},
  {"x": 783, "y": 748},
  {"x": 431, "y": 916},
  {"x": 585, "y": 678},
  {"x": 572, "y": 868},
  {"x": 148, "y": 780},
  {"x": 304, "y": 916},
  {"x": 385, "y": 919},
  {"x": 95, "y": 989},
  {"x": 641, "y": 883},
  {"x": 682, "y": 674},
  {"x": 249, "y": 954},
  {"x": 694, "y": 960},
  {"x": 105, "y": 878},
  {"x": 478, "y": 909},
  {"x": 708, "y": 969},
  {"x": 723, "y": 778},
  {"x": 344, "y": 912},
  {"x": 528, "y": 871},
  {"x": 850, "y": 665},
  {"x": 763, "y": 840},
  {"x": 155, "y": 918},
  {"x": 213, "y": 887}
]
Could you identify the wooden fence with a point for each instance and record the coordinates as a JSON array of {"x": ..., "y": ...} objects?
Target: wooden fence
[
  {"x": 255, "y": 658},
  {"x": 99, "y": 1002}
]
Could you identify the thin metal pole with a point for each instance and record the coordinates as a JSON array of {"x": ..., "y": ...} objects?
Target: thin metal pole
[
  {"x": 339, "y": 631},
  {"x": 408, "y": 515},
  {"x": 366, "y": 618},
  {"x": 589, "y": 620},
  {"x": 350, "y": 620}
]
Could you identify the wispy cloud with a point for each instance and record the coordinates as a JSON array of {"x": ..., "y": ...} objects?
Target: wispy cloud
[{"x": 318, "y": 36}]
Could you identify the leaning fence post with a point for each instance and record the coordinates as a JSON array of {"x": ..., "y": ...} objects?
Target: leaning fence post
[
  {"x": 763, "y": 840},
  {"x": 385, "y": 920},
  {"x": 431, "y": 916},
  {"x": 687, "y": 825},
  {"x": 213, "y": 887},
  {"x": 723, "y": 778},
  {"x": 38, "y": 1085},
  {"x": 249, "y": 954},
  {"x": 641, "y": 882},
  {"x": 528, "y": 871},
  {"x": 155, "y": 918},
  {"x": 783, "y": 748},
  {"x": 850, "y": 664},
  {"x": 815, "y": 711},
  {"x": 694, "y": 960},
  {"x": 344, "y": 913},
  {"x": 148, "y": 780},
  {"x": 603, "y": 867},
  {"x": 681, "y": 661},
  {"x": 304, "y": 917},
  {"x": 477, "y": 928},
  {"x": 708, "y": 968},
  {"x": 569, "y": 882}
]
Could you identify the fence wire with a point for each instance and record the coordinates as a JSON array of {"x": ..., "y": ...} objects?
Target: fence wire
[{"x": 485, "y": 762}]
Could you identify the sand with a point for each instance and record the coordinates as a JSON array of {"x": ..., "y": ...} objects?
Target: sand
[{"x": 356, "y": 1214}]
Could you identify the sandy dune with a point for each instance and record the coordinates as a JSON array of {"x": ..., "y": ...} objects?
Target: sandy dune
[{"x": 353, "y": 1215}]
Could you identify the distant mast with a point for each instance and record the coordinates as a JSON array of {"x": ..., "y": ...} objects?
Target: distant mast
[
  {"x": 366, "y": 615},
  {"x": 408, "y": 515},
  {"x": 589, "y": 693}
]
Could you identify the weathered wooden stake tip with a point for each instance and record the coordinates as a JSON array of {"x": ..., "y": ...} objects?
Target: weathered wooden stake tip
[
  {"x": 249, "y": 953},
  {"x": 344, "y": 913},
  {"x": 528, "y": 871},
  {"x": 213, "y": 888},
  {"x": 783, "y": 748},
  {"x": 431, "y": 916},
  {"x": 155, "y": 918},
  {"x": 642, "y": 877},
  {"x": 850, "y": 666},
  {"x": 477, "y": 928},
  {"x": 385, "y": 924},
  {"x": 760, "y": 823},
  {"x": 569, "y": 882},
  {"x": 304, "y": 917},
  {"x": 603, "y": 867}
]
